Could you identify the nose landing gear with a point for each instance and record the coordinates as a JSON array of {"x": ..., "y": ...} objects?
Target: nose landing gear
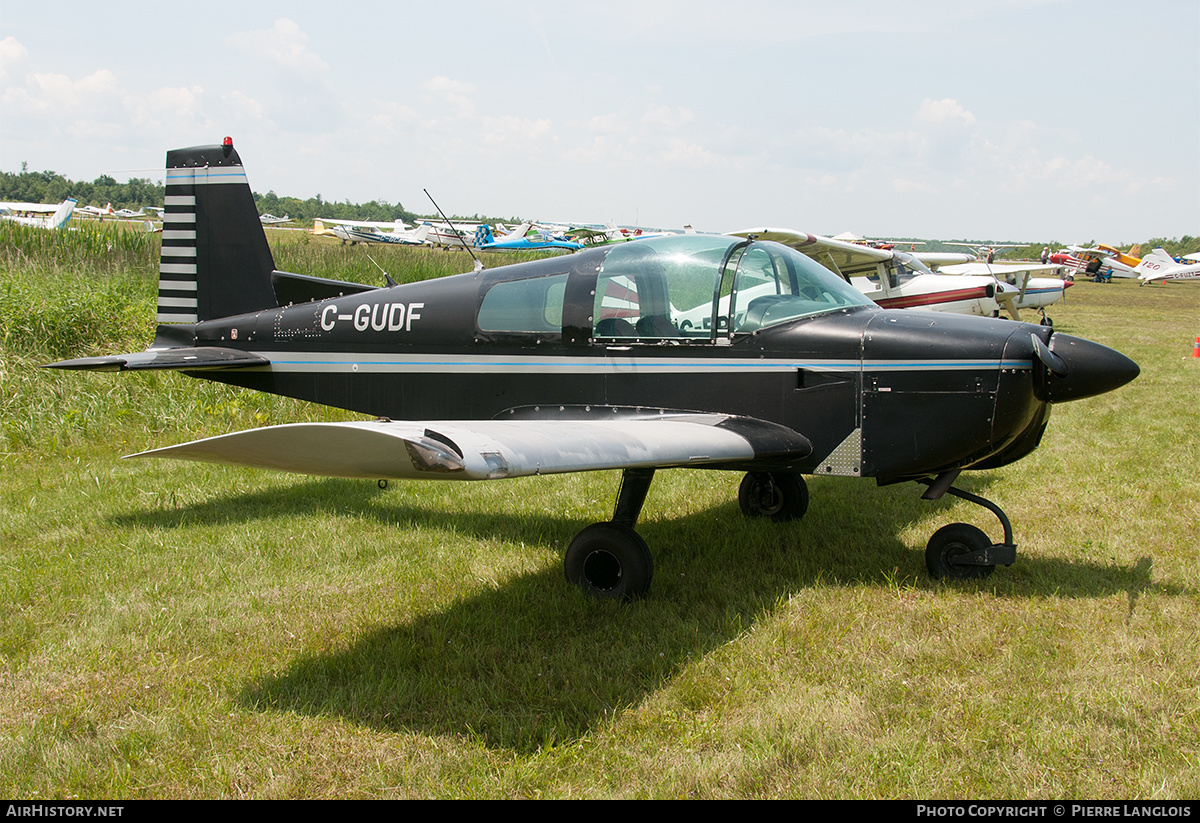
[{"x": 960, "y": 551}]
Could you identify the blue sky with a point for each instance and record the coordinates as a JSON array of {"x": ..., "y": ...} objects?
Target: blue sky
[{"x": 999, "y": 119}]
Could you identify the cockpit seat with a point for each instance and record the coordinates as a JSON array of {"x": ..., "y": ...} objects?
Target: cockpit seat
[
  {"x": 758, "y": 313},
  {"x": 656, "y": 325},
  {"x": 615, "y": 327}
]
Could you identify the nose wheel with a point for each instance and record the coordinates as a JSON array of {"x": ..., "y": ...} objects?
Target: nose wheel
[
  {"x": 954, "y": 550},
  {"x": 961, "y": 551}
]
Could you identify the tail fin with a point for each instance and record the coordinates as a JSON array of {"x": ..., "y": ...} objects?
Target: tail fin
[
  {"x": 1155, "y": 264},
  {"x": 215, "y": 257},
  {"x": 62, "y": 214},
  {"x": 421, "y": 232}
]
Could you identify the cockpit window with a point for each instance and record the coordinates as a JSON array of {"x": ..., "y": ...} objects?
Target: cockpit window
[
  {"x": 660, "y": 288},
  {"x": 677, "y": 288},
  {"x": 774, "y": 284},
  {"x": 532, "y": 305}
]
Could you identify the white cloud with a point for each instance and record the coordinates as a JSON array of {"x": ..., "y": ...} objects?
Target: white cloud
[
  {"x": 942, "y": 113},
  {"x": 12, "y": 54},
  {"x": 455, "y": 92},
  {"x": 284, "y": 45}
]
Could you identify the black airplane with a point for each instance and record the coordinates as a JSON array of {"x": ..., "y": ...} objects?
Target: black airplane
[{"x": 694, "y": 350}]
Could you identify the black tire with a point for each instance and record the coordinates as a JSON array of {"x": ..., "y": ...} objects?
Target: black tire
[
  {"x": 611, "y": 561},
  {"x": 952, "y": 541},
  {"x": 781, "y": 496}
]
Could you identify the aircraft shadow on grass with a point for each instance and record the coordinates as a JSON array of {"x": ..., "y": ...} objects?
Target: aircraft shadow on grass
[{"x": 492, "y": 665}]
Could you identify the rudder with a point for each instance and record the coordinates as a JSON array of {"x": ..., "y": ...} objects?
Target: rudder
[{"x": 215, "y": 258}]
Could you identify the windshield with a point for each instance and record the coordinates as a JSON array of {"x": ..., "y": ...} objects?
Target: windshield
[{"x": 700, "y": 287}]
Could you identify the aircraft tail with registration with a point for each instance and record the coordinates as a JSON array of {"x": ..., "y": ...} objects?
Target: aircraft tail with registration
[
  {"x": 1158, "y": 265},
  {"x": 215, "y": 257}
]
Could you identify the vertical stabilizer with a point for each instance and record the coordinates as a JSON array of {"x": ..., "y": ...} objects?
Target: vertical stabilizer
[
  {"x": 62, "y": 214},
  {"x": 215, "y": 258}
]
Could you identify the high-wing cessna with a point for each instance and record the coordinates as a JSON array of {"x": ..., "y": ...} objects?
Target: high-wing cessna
[
  {"x": 985, "y": 250},
  {"x": 895, "y": 279},
  {"x": 581, "y": 362},
  {"x": 367, "y": 231},
  {"x": 1031, "y": 292},
  {"x": 589, "y": 236},
  {"x": 56, "y": 215},
  {"x": 1158, "y": 265}
]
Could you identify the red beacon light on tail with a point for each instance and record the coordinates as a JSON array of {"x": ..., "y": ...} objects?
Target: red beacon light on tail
[{"x": 227, "y": 145}]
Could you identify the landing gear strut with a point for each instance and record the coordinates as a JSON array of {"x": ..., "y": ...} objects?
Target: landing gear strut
[
  {"x": 611, "y": 560},
  {"x": 960, "y": 551}
]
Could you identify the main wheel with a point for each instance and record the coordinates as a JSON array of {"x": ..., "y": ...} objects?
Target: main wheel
[
  {"x": 950, "y": 542},
  {"x": 781, "y": 496},
  {"x": 610, "y": 560}
]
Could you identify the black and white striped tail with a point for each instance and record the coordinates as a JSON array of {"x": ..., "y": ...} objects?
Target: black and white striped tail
[{"x": 215, "y": 258}]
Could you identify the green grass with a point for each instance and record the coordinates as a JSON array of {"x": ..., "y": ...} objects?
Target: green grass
[{"x": 186, "y": 630}]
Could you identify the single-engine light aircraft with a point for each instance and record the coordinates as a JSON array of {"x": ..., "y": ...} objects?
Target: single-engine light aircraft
[
  {"x": 1030, "y": 292},
  {"x": 519, "y": 240},
  {"x": 896, "y": 279},
  {"x": 368, "y": 231},
  {"x": 1160, "y": 266},
  {"x": 584, "y": 362},
  {"x": 22, "y": 213}
]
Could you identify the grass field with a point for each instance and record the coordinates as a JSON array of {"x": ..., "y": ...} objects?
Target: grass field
[{"x": 174, "y": 630}]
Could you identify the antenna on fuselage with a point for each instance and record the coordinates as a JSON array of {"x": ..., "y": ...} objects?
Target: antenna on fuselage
[
  {"x": 454, "y": 231},
  {"x": 386, "y": 276}
]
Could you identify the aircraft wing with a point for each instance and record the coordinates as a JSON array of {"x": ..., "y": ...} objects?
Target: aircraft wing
[
  {"x": 488, "y": 449},
  {"x": 32, "y": 208},
  {"x": 365, "y": 224},
  {"x": 939, "y": 260},
  {"x": 1000, "y": 268},
  {"x": 839, "y": 256}
]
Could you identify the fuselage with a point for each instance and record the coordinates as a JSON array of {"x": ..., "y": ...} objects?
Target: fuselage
[{"x": 880, "y": 393}]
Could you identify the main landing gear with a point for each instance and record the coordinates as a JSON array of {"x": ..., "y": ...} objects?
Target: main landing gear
[
  {"x": 611, "y": 560},
  {"x": 960, "y": 551}
]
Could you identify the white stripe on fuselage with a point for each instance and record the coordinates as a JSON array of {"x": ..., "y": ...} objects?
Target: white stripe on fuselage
[{"x": 337, "y": 362}]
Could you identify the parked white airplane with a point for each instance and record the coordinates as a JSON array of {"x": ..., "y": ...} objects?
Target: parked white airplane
[
  {"x": 96, "y": 211},
  {"x": 1106, "y": 261},
  {"x": 271, "y": 220},
  {"x": 454, "y": 235},
  {"x": 57, "y": 215},
  {"x": 895, "y": 279},
  {"x": 1158, "y": 265},
  {"x": 368, "y": 231},
  {"x": 1032, "y": 292}
]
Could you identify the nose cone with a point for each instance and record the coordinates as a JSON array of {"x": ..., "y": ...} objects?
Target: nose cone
[{"x": 1080, "y": 368}]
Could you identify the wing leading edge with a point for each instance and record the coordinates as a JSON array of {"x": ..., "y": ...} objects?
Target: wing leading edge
[{"x": 489, "y": 449}]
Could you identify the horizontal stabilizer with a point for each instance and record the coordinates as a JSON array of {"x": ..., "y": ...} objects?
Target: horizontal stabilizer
[
  {"x": 181, "y": 359},
  {"x": 487, "y": 449}
]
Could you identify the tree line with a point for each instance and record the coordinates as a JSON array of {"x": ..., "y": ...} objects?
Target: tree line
[{"x": 50, "y": 187}]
